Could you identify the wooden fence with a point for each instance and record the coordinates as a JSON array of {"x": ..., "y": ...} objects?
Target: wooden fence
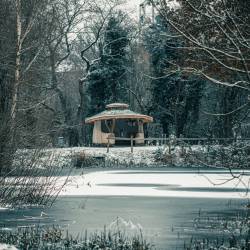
[{"x": 170, "y": 141}]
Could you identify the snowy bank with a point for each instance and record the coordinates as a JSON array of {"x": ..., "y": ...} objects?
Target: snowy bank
[
  {"x": 7, "y": 247},
  {"x": 146, "y": 156}
]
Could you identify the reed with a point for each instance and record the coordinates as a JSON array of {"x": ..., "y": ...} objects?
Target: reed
[{"x": 54, "y": 237}]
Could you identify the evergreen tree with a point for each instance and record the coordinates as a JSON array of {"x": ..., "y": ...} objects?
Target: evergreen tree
[
  {"x": 175, "y": 96},
  {"x": 108, "y": 77}
]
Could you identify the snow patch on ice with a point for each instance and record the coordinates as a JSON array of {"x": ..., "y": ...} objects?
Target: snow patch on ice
[{"x": 103, "y": 183}]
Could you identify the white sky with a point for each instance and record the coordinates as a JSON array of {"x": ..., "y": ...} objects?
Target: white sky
[{"x": 132, "y": 7}]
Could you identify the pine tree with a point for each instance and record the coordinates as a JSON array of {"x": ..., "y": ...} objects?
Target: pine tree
[
  {"x": 108, "y": 77},
  {"x": 176, "y": 96}
]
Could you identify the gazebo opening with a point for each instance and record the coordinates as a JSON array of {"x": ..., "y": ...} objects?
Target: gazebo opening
[{"x": 118, "y": 122}]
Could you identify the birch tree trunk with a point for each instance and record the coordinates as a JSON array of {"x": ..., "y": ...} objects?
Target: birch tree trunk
[{"x": 17, "y": 65}]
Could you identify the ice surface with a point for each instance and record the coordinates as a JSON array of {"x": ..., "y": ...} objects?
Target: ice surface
[{"x": 140, "y": 183}]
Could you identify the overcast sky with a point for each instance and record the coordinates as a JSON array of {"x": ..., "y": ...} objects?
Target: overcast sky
[{"x": 132, "y": 7}]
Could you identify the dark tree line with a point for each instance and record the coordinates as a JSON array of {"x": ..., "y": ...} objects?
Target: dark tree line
[{"x": 215, "y": 46}]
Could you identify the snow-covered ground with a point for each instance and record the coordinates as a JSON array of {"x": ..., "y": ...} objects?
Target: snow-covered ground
[
  {"x": 7, "y": 247},
  {"x": 141, "y": 155},
  {"x": 65, "y": 156},
  {"x": 160, "y": 183},
  {"x": 144, "y": 156}
]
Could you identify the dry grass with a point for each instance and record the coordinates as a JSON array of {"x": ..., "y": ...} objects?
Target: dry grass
[{"x": 55, "y": 238}]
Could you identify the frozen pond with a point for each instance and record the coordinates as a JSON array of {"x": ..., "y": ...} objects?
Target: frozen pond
[{"x": 162, "y": 203}]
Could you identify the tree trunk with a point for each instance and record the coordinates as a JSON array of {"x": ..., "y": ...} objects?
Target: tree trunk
[
  {"x": 8, "y": 121},
  {"x": 17, "y": 66},
  {"x": 80, "y": 114}
]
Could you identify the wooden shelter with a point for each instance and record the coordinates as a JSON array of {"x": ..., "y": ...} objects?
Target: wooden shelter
[{"x": 118, "y": 121}]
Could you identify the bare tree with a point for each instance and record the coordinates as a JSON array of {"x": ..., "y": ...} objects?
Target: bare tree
[
  {"x": 65, "y": 19},
  {"x": 16, "y": 65},
  {"x": 215, "y": 46},
  {"x": 218, "y": 40},
  {"x": 21, "y": 179}
]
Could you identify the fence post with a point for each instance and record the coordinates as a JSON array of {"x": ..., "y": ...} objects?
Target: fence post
[
  {"x": 108, "y": 146},
  {"x": 182, "y": 147},
  {"x": 169, "y": 145},
  {"x": 208, "y": 146},
  {"x": 131, "y": 143}
]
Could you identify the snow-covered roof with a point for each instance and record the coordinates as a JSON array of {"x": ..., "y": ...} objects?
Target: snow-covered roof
[
  {"x": 117, "y": 105},
  {"x": 118, "y": 111}
]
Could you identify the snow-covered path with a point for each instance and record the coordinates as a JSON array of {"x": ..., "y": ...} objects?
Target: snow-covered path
[{"x": 160, "y": 183}]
